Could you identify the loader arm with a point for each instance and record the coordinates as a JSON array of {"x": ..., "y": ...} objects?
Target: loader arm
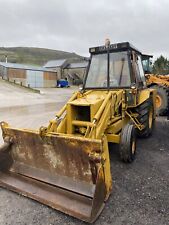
[
  {"x": 158, "y": 79},
  {"x": 95, "y": 128}
]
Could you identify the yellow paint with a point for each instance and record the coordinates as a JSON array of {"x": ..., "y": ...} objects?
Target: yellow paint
[
  {"x": 114, "y": 138},
  {"x": 106, "y": 166}
]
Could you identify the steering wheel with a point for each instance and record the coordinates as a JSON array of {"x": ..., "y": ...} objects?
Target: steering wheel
[{"x": 113, "y": 82}]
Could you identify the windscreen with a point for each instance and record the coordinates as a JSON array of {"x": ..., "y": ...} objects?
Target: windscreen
[
  {"x": 97, "y": 75},
  {"x": 118, "y": 71}
]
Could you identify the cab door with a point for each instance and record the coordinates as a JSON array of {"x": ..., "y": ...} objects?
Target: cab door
[{"x": 138, "y": 74}]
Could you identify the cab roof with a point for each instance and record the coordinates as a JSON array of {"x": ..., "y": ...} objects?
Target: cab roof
[{"x": 123, "y": 46}]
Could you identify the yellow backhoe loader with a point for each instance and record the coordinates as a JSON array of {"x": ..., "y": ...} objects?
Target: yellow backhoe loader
[{"x": 66, "y": 165}]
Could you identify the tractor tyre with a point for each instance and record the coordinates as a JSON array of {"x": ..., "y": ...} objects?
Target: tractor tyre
[
  {"x": 162, "y": 99},
  {"x": 127, "y": 146},
  {"x": 146, "y": 118}
]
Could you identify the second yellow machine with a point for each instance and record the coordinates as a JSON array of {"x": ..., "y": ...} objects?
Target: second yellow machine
[
  {"x": 66, "y": 165},
  {"x": 158, "y": 82}
]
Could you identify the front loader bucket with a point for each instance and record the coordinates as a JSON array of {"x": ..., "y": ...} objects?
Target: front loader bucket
[{"x": 56, "y": 170}]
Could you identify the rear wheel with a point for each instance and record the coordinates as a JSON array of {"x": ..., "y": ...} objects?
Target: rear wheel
[
  {"x": 161, "y": 99},
  {"x": 146, "y": 118},
  {"x": 127, "y": 146}
]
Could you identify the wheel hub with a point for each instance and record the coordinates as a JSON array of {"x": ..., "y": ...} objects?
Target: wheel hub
[
  {"x": 150, "y": 118},
  {"x": 133, "y": 147},
  {"x": 158, "y": 101}
]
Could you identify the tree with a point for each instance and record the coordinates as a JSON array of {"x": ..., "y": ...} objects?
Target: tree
[{"x": 161, "y": 66}]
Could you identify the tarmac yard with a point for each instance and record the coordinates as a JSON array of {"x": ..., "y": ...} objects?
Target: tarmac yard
[{"x": 140, "y": 194}]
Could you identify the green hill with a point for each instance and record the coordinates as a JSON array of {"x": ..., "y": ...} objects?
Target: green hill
[{"x": 33, "y": 56}]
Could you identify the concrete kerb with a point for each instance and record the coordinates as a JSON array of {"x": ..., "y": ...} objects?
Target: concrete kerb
[{"x": 21, "y": 86}]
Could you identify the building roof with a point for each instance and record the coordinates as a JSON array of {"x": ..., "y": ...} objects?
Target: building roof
[
  {"x": 55, "y": 63},
  {"x": 25, "y": 67},
  {"x": 77, "y": 65}
]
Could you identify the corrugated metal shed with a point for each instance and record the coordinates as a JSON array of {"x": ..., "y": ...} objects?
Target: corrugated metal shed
[
  {"x": 55, "y": 63},
  {"x": 24, "y": 67}
]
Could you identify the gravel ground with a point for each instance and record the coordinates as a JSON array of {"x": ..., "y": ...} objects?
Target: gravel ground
[{"x": 140, "y": 193}]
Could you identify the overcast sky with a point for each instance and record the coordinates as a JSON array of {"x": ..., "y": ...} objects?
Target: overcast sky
[{"x": 76, "y": 25}]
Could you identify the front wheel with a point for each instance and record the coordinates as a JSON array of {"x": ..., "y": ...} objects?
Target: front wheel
[{"x": 128, "y": 143}]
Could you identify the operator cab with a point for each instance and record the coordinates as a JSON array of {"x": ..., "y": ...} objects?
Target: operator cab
[
  {"x": 147, "y": 63},
  {"x": 114, "y": 66}
]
